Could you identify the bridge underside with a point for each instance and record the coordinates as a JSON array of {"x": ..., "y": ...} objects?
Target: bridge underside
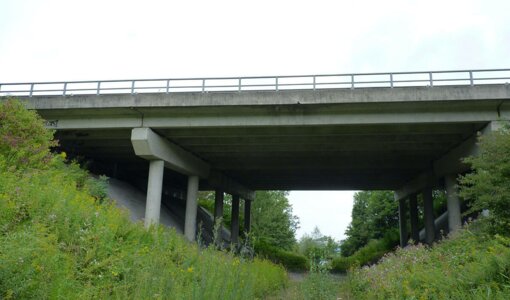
[{"x": 349, "y": 157}]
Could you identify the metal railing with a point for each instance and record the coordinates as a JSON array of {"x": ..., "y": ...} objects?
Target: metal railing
[{"x": 258, "y": 83}]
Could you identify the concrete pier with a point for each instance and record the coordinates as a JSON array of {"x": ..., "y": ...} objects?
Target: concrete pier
[
  {"x": 413, "y": 214},
  {"x": 402, "y": 220},
  {"x": 190, "y": 222},
  {"x": 234, "y": 231},
  {"x": 247, "y": 215},
  {"x": 428, "y": 209},
  {"x": 453, "y": 203},
  {"x": 154, "y": 189}
]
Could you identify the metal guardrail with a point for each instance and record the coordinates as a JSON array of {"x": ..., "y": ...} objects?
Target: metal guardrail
[{"x": 257, "y": 83}]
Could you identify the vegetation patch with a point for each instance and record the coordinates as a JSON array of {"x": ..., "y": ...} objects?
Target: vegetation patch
[{"x": 61, "y": 238}]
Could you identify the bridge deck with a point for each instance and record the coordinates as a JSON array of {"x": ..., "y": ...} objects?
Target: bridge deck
[{"x": 372, "y": 138}]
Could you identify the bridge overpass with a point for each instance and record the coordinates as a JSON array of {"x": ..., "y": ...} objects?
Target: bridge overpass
[{"x": 401, "y": 131}]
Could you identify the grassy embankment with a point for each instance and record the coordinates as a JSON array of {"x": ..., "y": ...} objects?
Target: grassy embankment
[
  {"x": 61, "y": 238},
  {"x": 472, "y": 264}
]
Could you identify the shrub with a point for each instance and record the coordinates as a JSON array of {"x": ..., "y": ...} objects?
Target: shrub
[{"x": 291, "y": 261}]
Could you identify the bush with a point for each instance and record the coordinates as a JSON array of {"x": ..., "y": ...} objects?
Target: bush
[{"x": 291, "y": 261}]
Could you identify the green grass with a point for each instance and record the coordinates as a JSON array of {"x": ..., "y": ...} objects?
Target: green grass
[{"x": 58, "y": 241}]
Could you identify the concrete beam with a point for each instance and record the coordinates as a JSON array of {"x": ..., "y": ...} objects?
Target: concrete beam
[
  {"x": 272, "y": 117},
  {"x": 417, "y": 184},
  {"x": 149, "y": 145},
  {"x": 450, "y": 163}
]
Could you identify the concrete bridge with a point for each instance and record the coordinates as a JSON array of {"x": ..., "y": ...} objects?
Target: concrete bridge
[{"x": 401, "y": 131}]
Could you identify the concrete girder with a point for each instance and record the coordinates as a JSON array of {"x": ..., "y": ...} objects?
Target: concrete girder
[
  {"x": 271, "y": 118},
  {"x": 450, "y": 163},
  {"x": 149, "y": 145}
]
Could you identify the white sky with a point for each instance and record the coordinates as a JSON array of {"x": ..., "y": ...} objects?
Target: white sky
[{"x": 49, "y": 40}]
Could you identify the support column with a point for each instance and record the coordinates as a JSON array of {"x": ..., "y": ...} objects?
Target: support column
[
  {"x": 402, "y": 220},
  {"x": 154, "y": 189},
  {"x": 453, "y": 203},
  {"x": 247, "y": 216},
  {"x": 218, "y": 204},
  {"x": 413, "y": 213},
  {"x": 428, "y": 209},
  {"x": 218, "y": 214},
  {"x": 190, "y": 222},
  {"x": 234, "y": 231}
]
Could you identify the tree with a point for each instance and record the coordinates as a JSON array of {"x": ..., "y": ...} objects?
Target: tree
[
  {"x": 318, "y": 246},
  {"x": 488, "y": 186},
  {"x": 272, "y": 219},
  {"x": 374, "y": 216}
]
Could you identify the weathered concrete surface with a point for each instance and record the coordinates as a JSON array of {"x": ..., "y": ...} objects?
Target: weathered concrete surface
[{"x": 359, "y": 95}]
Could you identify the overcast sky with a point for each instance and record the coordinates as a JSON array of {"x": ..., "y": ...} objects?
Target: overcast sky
[{"x": 81, "y": 40}]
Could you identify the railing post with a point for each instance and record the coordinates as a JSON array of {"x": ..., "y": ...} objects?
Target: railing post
[
  {"x": 167, "y": 86},
  {"x": 391, "y": 80},
  {"x": 65, "y": 89},
  {"x": 203, "y": 85},
  {"x": 239, "y": 85},
  {"x": 471, "y": 82},
  {"x": 98, "y": 92},
  {"x": 431, "y": 81},
  {"x": 352, "y": 81},
  {"x": 31, "y": 89},
  {"x": 314, "y": 83},
  {"x": 132, "y": 87},
  {"x": 276, "y": 83}
]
